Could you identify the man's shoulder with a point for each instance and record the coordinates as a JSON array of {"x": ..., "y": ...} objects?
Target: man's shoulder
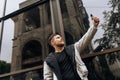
[
  {"x": 70, "y": 50},
  {"x": 50, "y": 56},
  {"x": 70, "y": 47}
]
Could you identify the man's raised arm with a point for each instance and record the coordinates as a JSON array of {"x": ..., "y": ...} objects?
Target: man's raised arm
[{"x": 87, "y": 37}]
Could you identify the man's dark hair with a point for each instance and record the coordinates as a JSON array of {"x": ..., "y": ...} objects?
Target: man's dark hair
[{"x": 51, "y": 36}]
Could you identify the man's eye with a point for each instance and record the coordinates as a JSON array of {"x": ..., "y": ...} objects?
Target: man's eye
[{"x": 58, "y": 37}]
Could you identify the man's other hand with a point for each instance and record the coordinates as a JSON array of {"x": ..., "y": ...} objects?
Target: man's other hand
[{"x": 95, "y": 21}]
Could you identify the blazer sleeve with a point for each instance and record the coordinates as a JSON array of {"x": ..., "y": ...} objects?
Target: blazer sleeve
[
  {"x": 86, "y": 39},
  {"x": 48, "y": 74}
]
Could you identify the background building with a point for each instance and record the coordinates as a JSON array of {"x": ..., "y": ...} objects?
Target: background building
[{"x": 33, "y": 27}]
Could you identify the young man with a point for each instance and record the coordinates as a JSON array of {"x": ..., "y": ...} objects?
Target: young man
[{"x": 65, "y": 63}]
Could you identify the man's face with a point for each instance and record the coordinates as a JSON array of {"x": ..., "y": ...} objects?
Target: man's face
[{"x": 58, "y": 41}]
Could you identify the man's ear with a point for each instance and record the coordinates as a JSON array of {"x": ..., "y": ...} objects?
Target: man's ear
[{"x": 52, "y": 42}]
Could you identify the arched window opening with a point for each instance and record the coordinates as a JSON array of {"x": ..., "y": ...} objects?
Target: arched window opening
[{"x": 31, "y": 54}]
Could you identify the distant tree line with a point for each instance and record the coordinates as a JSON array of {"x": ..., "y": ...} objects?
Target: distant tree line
[
  {"x": 111, "y": 38},
  {"x": 4, "y": 68}
]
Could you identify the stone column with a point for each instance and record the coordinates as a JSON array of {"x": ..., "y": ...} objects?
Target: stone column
[
  {"x": 42, "y": 24},
  {"x": 22, "y": 28},
  {"x": 16, "y": 51},
  {"x": 57, "y": 21},
  {"x": 73, "y": 14},
  {"x": 15, "y": 19}
]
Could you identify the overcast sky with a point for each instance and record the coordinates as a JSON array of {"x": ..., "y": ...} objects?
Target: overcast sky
[{"x": 96, "y": 7}]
